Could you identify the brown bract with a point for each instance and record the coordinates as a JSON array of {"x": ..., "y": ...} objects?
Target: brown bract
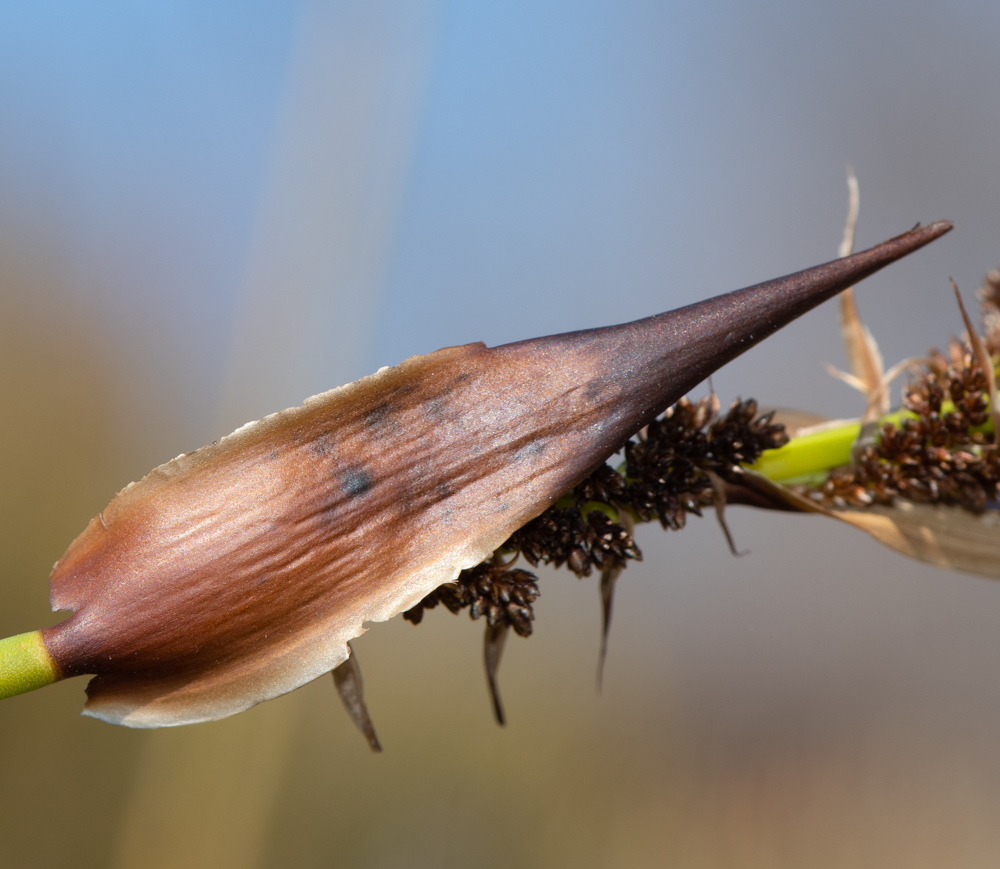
[{"x": 239, "y": 572}]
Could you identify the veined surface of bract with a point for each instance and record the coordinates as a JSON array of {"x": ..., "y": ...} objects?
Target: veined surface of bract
[{"x": 238, "y": 572}]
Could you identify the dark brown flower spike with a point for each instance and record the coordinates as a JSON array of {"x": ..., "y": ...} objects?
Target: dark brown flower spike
[
  {"x": 939, "y": 451},
  {"x": 240, "y": 571}
]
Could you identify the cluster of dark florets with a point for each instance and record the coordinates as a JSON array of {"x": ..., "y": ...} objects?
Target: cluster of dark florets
[
  {"x": 581, "y": 539},
  {"x": 501, "y": 593},
  {"x": 689, "y": 459},
  {"x": 939, "y": 456},
  {"x": 665, "y": 476},
  {"x": 666, "y": 468}
]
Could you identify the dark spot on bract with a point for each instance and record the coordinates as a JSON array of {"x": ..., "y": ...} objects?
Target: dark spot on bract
[
  {"x": 594, "y": 390},
  {"x": 321, "y": 445},
  {"x": 531, "y": 451},
  {"x": 380, "y": 418},
  {"x": 356, "y": 480}
]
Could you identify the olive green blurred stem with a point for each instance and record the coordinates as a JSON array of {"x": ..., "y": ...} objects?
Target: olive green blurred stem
[{"x": 25, "y": 664}]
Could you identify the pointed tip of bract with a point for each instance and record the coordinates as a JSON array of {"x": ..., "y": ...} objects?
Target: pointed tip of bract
[
  {"x": 930, "y": 231},
  {"x": 915, "y": 238},
  {"x": 939, "y": 228}
]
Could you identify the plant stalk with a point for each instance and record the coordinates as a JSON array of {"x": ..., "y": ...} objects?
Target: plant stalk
[
  {"x": 25, "y": 664},
  {"x": 806, "y": 458}
]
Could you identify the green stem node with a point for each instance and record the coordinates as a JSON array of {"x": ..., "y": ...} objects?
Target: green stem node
[
  {"x": 25, "y": 664},
  {"x": 804, "y": 459}
]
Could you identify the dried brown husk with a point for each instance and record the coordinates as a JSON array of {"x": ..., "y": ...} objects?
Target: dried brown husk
[{"x": 240, "y": 571}]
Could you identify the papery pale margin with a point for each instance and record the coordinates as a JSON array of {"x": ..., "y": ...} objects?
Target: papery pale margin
[
  {"x": 943, "y": 535},
  {"x": 148, "y": 704},
  {"x": 938, "y": 534}
]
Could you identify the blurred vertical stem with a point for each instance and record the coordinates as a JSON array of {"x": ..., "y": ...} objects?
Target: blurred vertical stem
[{"x": 208, "y": 796}]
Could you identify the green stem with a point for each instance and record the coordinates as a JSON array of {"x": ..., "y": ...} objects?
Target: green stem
[
  {"x": 25, "y": 664},
  {"x": 804, "y": 459}
]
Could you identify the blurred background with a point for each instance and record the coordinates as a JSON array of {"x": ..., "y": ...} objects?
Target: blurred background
[{"x": 209, "y": 211}]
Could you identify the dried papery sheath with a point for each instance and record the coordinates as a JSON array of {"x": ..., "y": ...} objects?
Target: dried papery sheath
[{"x": 238, "y": 572}]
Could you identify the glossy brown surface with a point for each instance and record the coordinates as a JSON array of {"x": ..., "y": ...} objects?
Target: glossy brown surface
[{"x": 238, "y": 572}]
